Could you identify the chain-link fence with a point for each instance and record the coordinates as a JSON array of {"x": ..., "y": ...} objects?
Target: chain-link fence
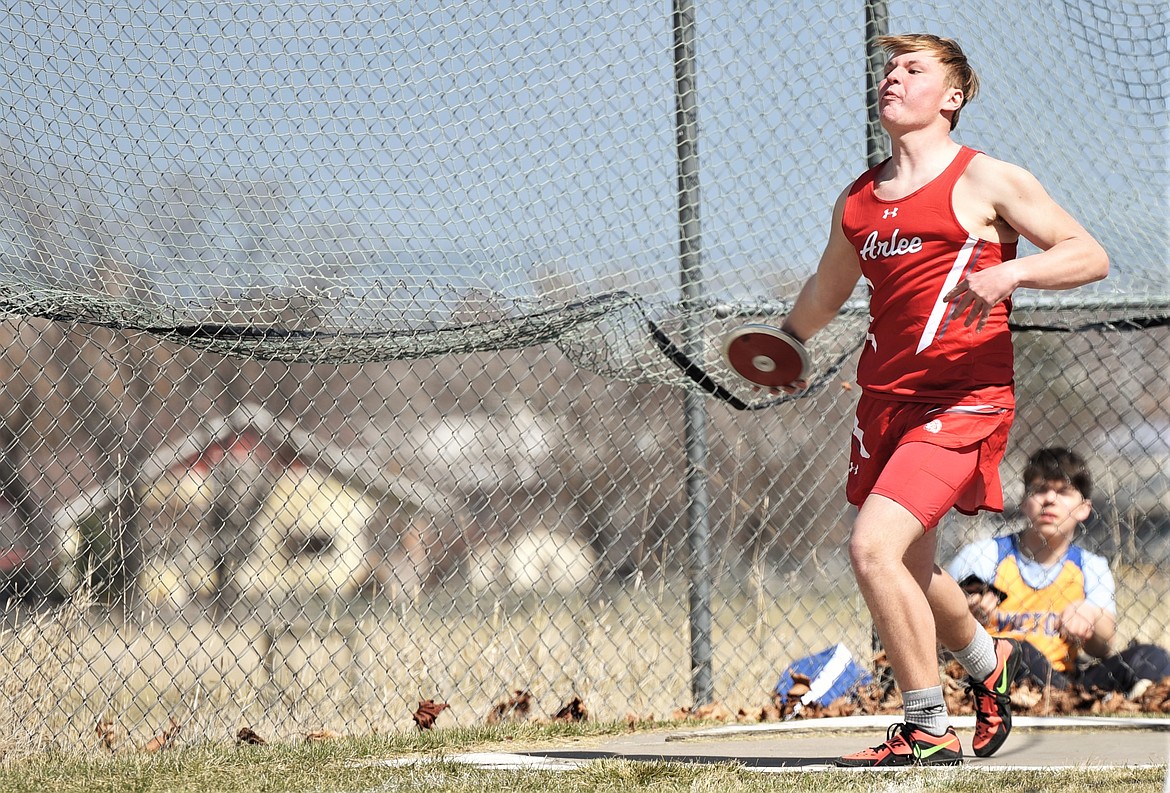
[
  {"x": 343, "y": 347},
  {"x": 297, "y": 548}
]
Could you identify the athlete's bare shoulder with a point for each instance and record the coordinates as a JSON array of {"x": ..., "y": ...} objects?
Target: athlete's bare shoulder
[
  {"x": 991, "y": 177},
  {"x": 986, "y": 189}
]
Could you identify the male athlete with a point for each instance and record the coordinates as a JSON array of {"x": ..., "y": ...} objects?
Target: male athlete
[{"x": 933, "y": 231}]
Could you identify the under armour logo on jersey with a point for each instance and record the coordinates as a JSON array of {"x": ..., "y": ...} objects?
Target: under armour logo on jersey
[
  {"x": 932, "y": 426},
  {"x": 889, "y": 213}
]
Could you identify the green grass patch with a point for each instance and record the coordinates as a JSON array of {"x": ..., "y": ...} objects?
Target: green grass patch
[{"x": 352, "y": 764}]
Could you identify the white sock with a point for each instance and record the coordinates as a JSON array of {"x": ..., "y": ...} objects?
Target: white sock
[
  {"x": 978, "y": 657},
  {"x": 926, "y": 709}
]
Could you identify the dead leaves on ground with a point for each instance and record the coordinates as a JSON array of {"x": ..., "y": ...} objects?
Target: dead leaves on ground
[
  {"x": 1027, "y": 699},
  {"x": 107, "y": 734},
  {"x": 324, "y": 734},
  {"x": 247, "y": 735},
  {"x": 757, "y": 714},
  {"x": 428, "y": 710},
  {"x": 572, "y": 711},
  {"x": 1033, "y": 700},
  {"x": 110, "y": 737},
  {"x": 1049, "y": 702},
  {"x": 882, "y": 698},
  {"x": 165, "y": 739},
  {"x": 1156, "y": 698},
  {"x": 515, "y": 708},
  {"x": 518, "y": 708},
  {"x": 714, "y": 711},
  {"x": 633, "y": 720},
  {"x": 873, "y": 699}
]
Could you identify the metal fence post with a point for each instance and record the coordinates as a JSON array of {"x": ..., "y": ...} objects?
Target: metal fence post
[{"x": 694, "y": 405}]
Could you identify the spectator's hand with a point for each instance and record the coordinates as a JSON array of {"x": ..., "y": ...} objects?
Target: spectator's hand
[
  {"x": 1078, "y": 622},
  {"x": 983, "y": 606}
]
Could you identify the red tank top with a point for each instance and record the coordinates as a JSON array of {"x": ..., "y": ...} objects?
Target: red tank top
[{"x": 912, "y": 251}]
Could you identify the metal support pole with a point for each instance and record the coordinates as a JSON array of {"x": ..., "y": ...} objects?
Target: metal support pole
[
  {"x": 877, "y": 148},
  {"x": 877, "y": 23},
  {"x": 694, "y": 405}
]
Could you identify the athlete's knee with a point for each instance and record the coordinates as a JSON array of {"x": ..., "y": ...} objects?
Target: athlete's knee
[
  {"x": 869, "y": 552},
  {"x": 883, "y": 534}
]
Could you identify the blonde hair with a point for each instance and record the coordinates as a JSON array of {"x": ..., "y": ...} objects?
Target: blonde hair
[{"x": 959, "y": 73}]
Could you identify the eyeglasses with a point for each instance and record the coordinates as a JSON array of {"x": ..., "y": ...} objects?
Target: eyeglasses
[{"x": 1064, "y": 490}]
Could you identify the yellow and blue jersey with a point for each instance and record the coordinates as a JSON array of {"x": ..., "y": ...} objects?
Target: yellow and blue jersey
[{"x": 1036, "y": 595}]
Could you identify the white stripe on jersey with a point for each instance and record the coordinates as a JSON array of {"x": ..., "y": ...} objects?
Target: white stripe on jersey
[
  {"x": 940, "y": 306},
  {"x": 980, "y": 410}
]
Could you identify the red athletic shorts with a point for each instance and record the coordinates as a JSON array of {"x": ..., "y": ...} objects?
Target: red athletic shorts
[{"x": 927, "y": 457}]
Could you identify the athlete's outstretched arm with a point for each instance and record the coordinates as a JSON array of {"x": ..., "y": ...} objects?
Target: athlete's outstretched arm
[{"x": 830, "y": 286}]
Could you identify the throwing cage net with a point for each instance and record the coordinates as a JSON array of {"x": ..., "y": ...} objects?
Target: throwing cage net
[{"x": 348, "y": 346}]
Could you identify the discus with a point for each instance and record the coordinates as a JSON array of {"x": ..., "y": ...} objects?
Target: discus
[{"x": 767, "y": 357}]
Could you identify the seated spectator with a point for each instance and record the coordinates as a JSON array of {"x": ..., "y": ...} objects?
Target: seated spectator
[{"x": 1057, "y": 598}]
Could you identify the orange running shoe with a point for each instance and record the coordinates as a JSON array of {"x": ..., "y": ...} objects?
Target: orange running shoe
[
  {"x": 993, "y": 706},
  {"x": 907, "y": 745}
]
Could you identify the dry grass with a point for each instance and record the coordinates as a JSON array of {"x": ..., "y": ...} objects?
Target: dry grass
[
  {"x": 40, "y": 667},
  {"x": 363, "y": 670},
  {"x": 354, "y": 765},
  {"x": 1143, "y": 603}
]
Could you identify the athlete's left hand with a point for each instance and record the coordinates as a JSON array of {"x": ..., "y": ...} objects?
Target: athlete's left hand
[{"x": 980, "y": 291}]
